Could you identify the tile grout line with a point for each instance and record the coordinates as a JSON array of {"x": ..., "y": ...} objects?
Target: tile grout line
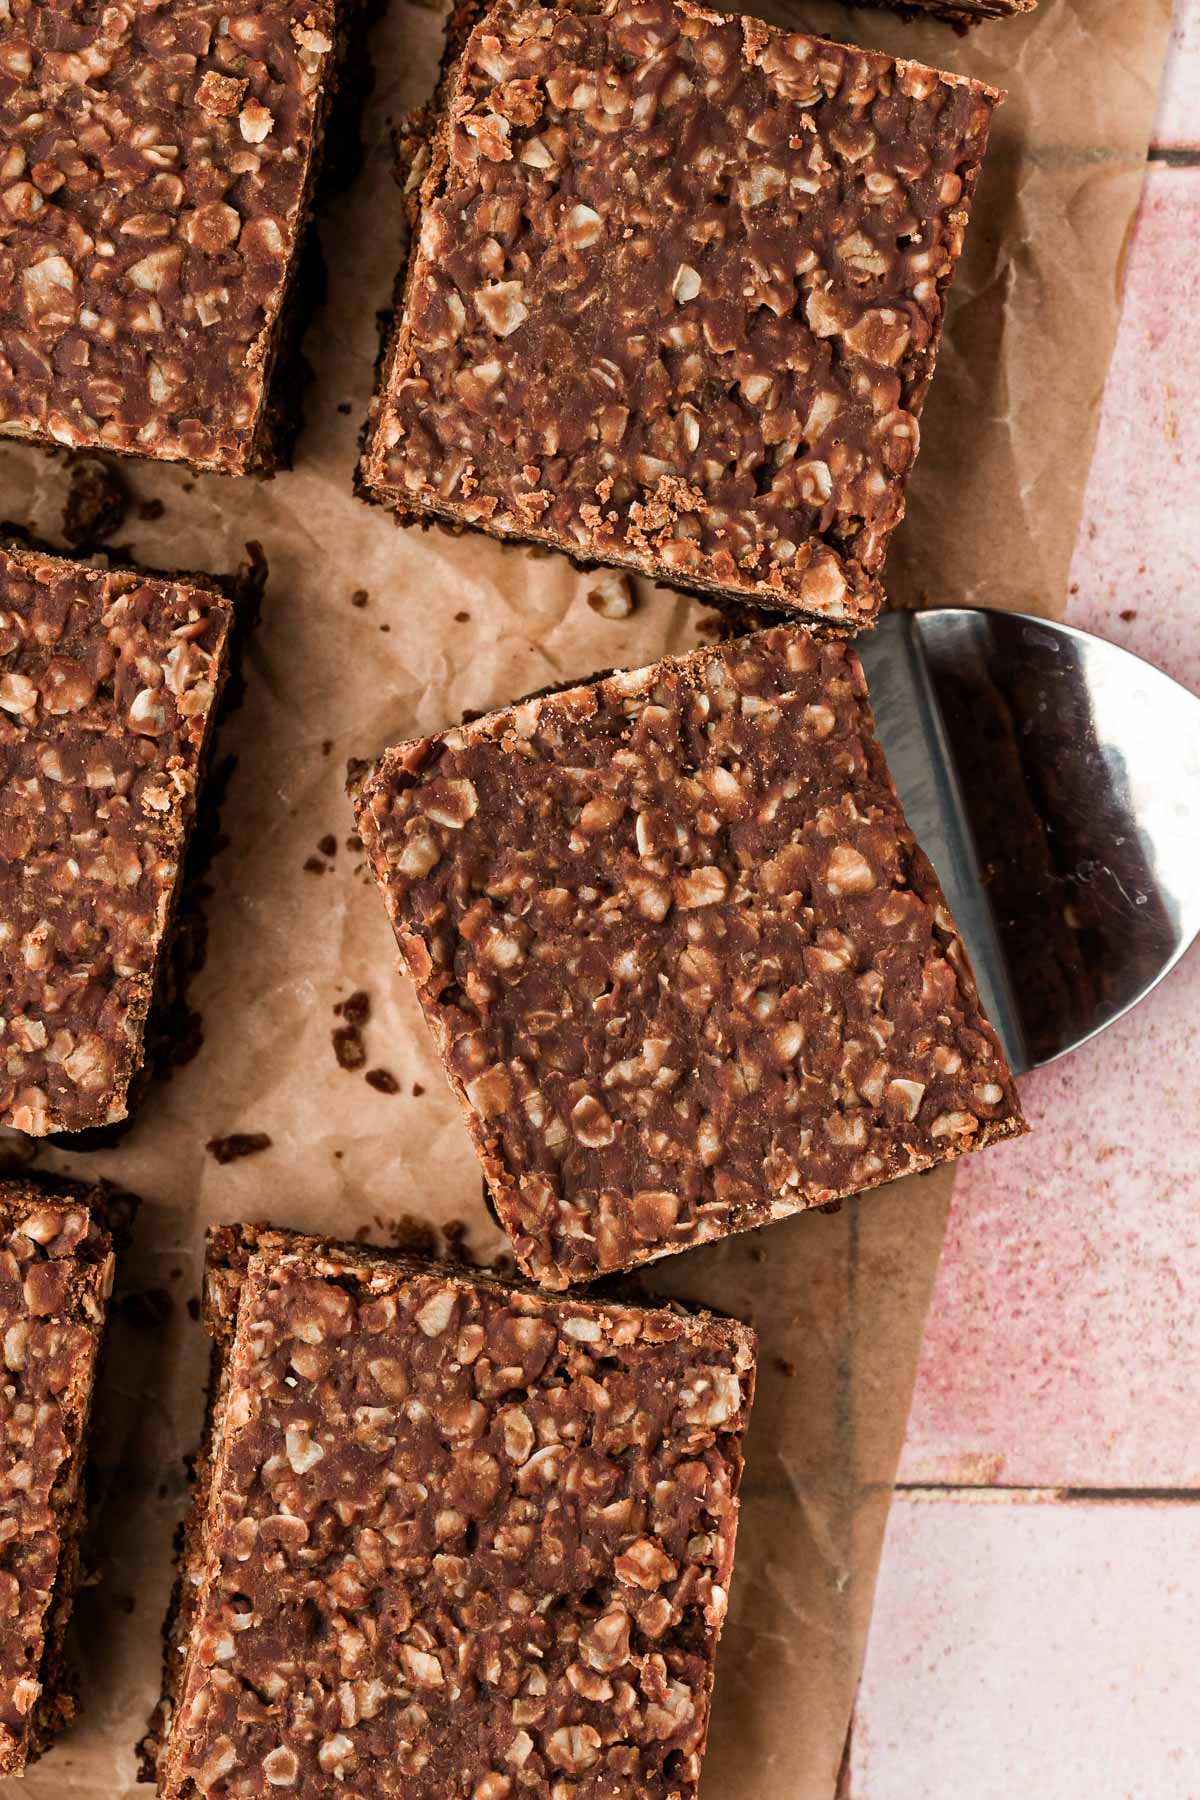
[
  {"x": 1000, "y": 1491},
  {"x": 1175, "y": 156}
]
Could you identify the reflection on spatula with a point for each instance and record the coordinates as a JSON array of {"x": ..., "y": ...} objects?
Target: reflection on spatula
[{"x": 1054, "y": 781}]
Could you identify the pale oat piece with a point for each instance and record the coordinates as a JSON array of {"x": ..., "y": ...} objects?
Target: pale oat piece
[
  {"x": 451, "y": 1540},
  {"x": 108, "y": 686},
  {"x": 686, "y": 966},
  {"x": 675, "y": 296},
  {"x": 157, "y": 161},
  {"x": 56, "y": 1267}
]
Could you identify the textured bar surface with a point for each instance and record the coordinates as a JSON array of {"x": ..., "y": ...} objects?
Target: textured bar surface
[
  {"x": 686, "y": 965},
  {"x": 451, "y": 1540},
  {"x": 676, "y": 296},
  {"x": 55, "y": 1276},
  {"x": 108, "y": 683},
  {"x": 156, "y": 168}
]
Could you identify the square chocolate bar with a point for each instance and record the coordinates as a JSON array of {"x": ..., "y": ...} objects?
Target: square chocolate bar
[
  {"x": 675, "y": 297},
  {"x": 108, "y": 686},
  {"x": 56, "y": 1267},
  {"x": 686, "y": 966},
  {"x": 449, "y": 1537},
  {"x": 157, "y": 163}
]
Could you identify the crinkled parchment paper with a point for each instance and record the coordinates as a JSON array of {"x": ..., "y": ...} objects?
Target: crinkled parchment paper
[{"x": 448, "y": 624}]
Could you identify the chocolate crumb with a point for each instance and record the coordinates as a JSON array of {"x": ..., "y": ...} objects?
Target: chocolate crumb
[
  {"x": 382, "y": 1080},
  {"x": 193, "y": 1306},
  {"x": 418, "y": 1090},
  {"x": 417, "y": 1237},
  {"x": 96, "y": 504},
  {"x": 1129, "y": 614},
  {"x": 326, "y": 746},
  {"x": 785, "y": 1365},
  {"x": 237, "y": 1144},
  {"x": 385, "y": 628},
  {"x": 349, "y": 1048},
  {"x": 354, "y": 843},
  {"x": 454, "y": 1231},
  {"x": 328, "y": 845},
  {"x": 355, "y": 1008},
  {"x": 150, "y": 510},
  {"x": 313, "y": 865},
  {"x": 359, "y": 597},
  {"x": 345, "y": 407},
  {"x": 460, "y": 618}
]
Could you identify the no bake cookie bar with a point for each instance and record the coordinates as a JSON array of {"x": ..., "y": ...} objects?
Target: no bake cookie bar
[
  {"x": 108, "y": 686},
  {"x": 675, "y": 296},
  {"x": 56, "y": 1266},
  {"x": 686, "y": 966},
  {"x": 451, "y": 1540},
  {"x": 157, "y": 165}
]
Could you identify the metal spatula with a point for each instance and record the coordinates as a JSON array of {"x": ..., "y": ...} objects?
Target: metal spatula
[{"x": 1054, "y": 781}]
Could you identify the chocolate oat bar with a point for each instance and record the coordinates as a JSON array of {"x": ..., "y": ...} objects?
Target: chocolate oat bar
[
  {"x": 675, "y": 297},
  {"x": 451, "y": 1539},
  {"x": 157, "y": 162},
  {"x": 687, "y": 968},
  {"x": 108, "y": 684},
  {"x": 56, "y": 1267}
]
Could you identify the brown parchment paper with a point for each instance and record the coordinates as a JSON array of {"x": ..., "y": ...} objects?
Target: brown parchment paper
[{"x": 839, "y": 1300}]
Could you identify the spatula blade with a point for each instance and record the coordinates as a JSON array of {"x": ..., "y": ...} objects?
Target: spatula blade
[{"x": 1054, "y": 781}]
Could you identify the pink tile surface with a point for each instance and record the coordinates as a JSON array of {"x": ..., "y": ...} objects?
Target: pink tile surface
[
  {"x": 1063, "y": 1345},
  {"x": 1029, "y": 1643},
  {"x": 1032, "y": 1651},
  {"x": 1139, "y": 545}
]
